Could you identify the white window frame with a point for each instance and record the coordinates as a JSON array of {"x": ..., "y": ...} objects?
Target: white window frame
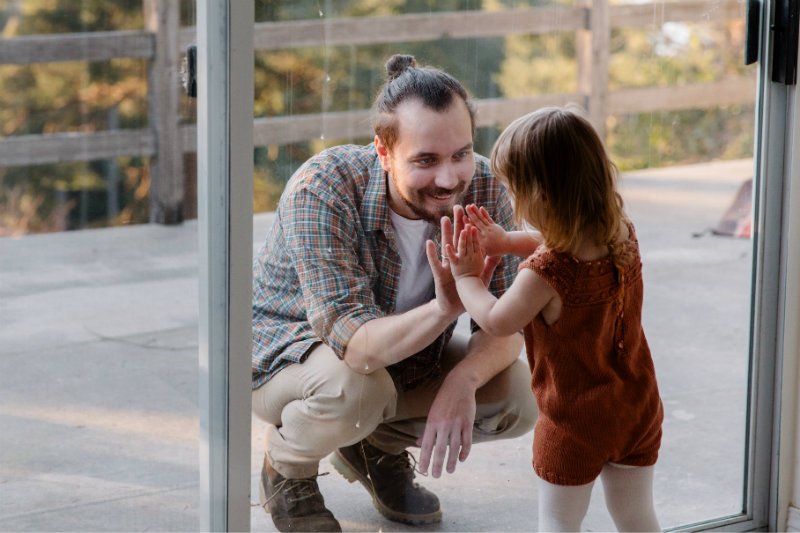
[
  {"x": 225, "y": 232},
  {"x": 786, "y": 471}
]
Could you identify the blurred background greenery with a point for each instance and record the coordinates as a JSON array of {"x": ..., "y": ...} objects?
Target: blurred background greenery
[{"x": 95, "y": 96}]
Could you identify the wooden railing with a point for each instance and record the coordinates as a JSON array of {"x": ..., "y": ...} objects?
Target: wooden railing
[{"x": 163, "y": 39}]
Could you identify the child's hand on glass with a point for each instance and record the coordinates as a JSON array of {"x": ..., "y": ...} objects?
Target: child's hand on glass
[
  {"x": 470, "y": 257},
  {"x": 492, "y": 236}
]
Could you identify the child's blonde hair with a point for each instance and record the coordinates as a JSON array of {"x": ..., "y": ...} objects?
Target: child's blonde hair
[{"x": 561, "y": 178}]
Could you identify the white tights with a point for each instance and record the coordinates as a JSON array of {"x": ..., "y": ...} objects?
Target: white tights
[{"x": 629, "y": 498}]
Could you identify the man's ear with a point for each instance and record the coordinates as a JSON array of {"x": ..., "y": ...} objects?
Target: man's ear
[{"x": 383, "y": 153}]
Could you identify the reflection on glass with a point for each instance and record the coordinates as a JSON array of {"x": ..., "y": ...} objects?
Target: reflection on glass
[
  {"x": 98, "y": 359},
  {"x": 685, "y": 165},
  {"x": 676, "y": 104},
  {"x": 98, "y": 353}
]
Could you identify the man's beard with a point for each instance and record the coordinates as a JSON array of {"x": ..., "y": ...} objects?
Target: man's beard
[{"x": 417, "y": 200}]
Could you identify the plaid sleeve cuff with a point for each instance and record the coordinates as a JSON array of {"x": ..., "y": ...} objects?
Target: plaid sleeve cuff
[{"x": 345, "y": 327}]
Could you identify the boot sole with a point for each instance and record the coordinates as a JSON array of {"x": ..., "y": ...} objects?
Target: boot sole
[{"x": 349, "y": 472}]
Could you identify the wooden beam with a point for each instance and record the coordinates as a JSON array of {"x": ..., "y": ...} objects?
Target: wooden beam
[
  {"x": 290, "y": 129},
  {"x": 332, "y": 126},
  {"x": 648, "y": 16},
  {"x": 24, "y": 150},
  {"x": 410, "y": 28},
  {"x": 354, "y": 124},
  {"x": 60, "y": 147},
  {"x": 500, "y": 112},
  {"x": 731, "y": 91},
  {"x": 471, "y": 24},
  {"x": 95, "y": 46},
  {"x": 102, "y": 46}
]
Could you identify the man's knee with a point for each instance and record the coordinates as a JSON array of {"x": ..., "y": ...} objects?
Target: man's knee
[
  {"x": 339, "y": 403},
  {"x": 326, "y": 390},
  {"x": 367, "y": 398},
  {"x": 334, "y": 407}
]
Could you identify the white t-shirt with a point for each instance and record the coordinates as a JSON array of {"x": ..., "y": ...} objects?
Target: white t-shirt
[{"x": 415, "y": 286}]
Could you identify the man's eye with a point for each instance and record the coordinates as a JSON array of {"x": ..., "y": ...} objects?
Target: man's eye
[
  {"x": 426, "y": 162},
  {"x": 460, "y": 155}
]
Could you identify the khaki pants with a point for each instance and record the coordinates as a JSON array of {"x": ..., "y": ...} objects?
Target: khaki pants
[{"x": 320, "y": 405}]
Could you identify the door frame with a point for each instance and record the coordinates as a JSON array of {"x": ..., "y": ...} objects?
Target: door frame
[{"x": 225, "y": 250}]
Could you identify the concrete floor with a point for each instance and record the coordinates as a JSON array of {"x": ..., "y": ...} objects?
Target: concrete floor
[{"x": 98, "y": 378}]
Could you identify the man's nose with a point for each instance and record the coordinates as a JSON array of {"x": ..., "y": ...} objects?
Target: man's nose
[{"x": 447, "y": 177}]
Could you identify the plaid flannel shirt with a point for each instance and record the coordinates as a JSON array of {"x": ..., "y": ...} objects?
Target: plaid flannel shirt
[{"x": 329, "y": 263}]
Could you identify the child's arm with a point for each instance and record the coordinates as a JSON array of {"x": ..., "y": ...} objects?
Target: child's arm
[
  {"x": 496, "y": 240},
  {"x": 501, "y": 317}
]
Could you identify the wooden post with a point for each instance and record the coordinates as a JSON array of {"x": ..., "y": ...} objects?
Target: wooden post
[
  {"x": 162, "y": 18},
  {"x": 593, "y": 55},
  {"x": 112, "y": 172}
]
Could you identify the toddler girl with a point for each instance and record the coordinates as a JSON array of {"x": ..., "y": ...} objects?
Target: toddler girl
[{"x": 578, "y": 299}]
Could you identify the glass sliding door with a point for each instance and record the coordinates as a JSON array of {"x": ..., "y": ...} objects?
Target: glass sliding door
[
  {"x": 100, "y": 427},
  {"x": 685, "y": 146},
  {"x": 98, "y": 349},
  {"x": 666, "y": 85}
]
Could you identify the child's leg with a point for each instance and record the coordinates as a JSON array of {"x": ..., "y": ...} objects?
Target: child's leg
[
  {"x": 562, "y": 507},
  {"x": 629, "y": 497}
]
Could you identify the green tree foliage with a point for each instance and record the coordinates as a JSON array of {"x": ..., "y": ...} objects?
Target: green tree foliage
[
  {"x": 679, "y": 54},
  {"x": 64, "y": 97},
  {"x": 667, "y": 54},
  {"x": 83, "y": 96}
]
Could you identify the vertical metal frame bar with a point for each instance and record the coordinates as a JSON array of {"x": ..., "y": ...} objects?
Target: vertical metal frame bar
[
  {"x": 225, "y": 171},
  {"x": 774, "y": 374},
  {"x": 788, "y": 337},
  {"x": 763, "y": 404}
]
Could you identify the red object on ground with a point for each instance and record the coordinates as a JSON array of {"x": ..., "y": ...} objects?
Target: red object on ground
[{"x": 738, "y": 218}]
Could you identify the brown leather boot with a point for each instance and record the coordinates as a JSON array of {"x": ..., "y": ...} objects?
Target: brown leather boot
[
  {"x": 294, "y": 504},
  {"x": 390, "y": 480}
]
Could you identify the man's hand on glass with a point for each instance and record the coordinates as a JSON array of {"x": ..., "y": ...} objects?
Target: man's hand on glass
[{"x": 444, "y": 283}]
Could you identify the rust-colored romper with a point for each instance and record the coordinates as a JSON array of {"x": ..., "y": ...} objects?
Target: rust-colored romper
[{"x": 593, "y": 375}]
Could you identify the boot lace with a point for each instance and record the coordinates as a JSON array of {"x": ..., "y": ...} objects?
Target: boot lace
[
  {"x": 404, "y": 462},
  {"x": 297, "y": 489}
]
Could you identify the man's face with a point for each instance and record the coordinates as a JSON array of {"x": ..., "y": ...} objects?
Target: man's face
[{"x": 432, "y": 162}]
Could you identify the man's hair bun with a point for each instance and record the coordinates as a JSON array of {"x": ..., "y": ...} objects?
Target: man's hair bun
[{"x": 398, "y": 64}]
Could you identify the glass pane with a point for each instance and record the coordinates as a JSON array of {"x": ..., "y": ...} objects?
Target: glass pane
[
  {"x": 666, "y": 87},
  {"x": 98, "y": 355},
  {"x": 687, "y": 180}
]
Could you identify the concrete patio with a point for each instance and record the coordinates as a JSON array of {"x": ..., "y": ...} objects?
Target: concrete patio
[{"x": 98, "y": 377}]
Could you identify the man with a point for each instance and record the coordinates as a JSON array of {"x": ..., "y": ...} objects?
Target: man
[{"x": 354, "y": 312}]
